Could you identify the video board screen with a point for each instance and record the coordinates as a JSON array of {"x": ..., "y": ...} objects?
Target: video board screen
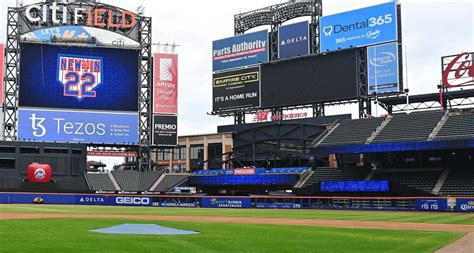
[
  {"x": 299, "y": 81},
  {"x": 80, "y": 78},
  {"x": 355, "y": 186}
]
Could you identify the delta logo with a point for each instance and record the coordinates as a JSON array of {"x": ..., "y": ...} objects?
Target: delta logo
[{"x": 80, "y": 76}]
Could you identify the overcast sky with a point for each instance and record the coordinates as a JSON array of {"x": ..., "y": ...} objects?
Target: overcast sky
[{"x": 431, "y": 29}]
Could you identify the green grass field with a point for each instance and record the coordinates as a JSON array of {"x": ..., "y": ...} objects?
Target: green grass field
[{"x": 72, "y": 235}]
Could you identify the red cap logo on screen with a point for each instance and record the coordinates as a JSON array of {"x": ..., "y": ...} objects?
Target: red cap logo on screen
[
  {"x": 459, "y": 71},
  {"x": 79, "y": 75},
  {"x": 39, "y": 173}
]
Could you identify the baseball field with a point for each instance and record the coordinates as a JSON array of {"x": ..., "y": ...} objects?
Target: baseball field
[{"x": 55, "y": 228}]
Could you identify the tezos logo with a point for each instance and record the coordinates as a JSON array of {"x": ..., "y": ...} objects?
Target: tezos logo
[
  {"x": 132, "y": 201},
  {"x": 79, "y": 75},
  {"x": 40, "y": 174}
]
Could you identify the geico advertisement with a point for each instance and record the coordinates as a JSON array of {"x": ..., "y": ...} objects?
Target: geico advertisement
[
  {"x": 84, "y": 127},
  {"x": 372, "y": 25}
]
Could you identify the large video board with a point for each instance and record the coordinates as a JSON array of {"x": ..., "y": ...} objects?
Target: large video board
[
  {"x": 307, "y": 80},
  {"x": 82, "y": 78},
  {"x": 362, "y": 27}
]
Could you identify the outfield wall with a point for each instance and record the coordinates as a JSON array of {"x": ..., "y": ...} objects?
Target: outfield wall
[{"x": 431, "y": 204}]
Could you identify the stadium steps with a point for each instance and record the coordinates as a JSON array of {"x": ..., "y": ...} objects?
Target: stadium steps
[
  {"x": 378, "y": 130},
  {"x": 157, "y": 182},
  {"x": 307, "y": 174},
  {"x": 459, "y": 125},
  {"x": 441, "y": 180},
  {"x": 114, "y": 181},
  {"x": 87, "y": 180},
  {"x": 323, "y": 136},
  {"x": 438, "y": 127}
]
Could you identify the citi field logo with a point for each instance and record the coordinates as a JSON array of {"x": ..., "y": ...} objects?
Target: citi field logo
[{"x": 80, "y": 76}]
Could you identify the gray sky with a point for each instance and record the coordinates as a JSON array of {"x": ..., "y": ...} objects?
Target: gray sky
[{"x": 431, "y": 29}]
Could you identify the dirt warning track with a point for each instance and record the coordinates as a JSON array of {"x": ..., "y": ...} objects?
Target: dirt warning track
[{"x": 275, "y": 221}]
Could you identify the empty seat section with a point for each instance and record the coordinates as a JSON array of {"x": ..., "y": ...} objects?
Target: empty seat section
[
  {"x": 460, "y": 182},
  {"x": 169, "y": 181},
  {"x": 336, "y": 174},
  {"x": 352, "y": 132},
  {"x": 136, "y": 180},
  {"x": 409, "y": 127},
  {"x": 458, "y": 125},
  {"x": 424, "y": 181},
  {"x": 100, "y": 182}
]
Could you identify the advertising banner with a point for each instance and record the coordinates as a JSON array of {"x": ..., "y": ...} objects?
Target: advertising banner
[
  {"x": 464, "y": 205},
  {"x": 2, "y": 63},
  {"x": 354, "y": 186},
  {"x": 279, "y": 205},
  {"x": 383, "y": 68},
  {"x": 176, "y": 204},
  {"x": 433, "y": 205},
  {"x": 458, "y": 70},
  {"x": 113, "y": 153},
  {"x": 78, "y": 78},
  {"x": 165, "y": 83},
  {"x": 293, "y": 40},
  {"x": 83, "y": 127},
  {"x": 165, "y": 130},
  {"x": 236, "y": 89},
  {"x": 239, "y": 51},
  {"x": 222, "y": 202},
  {"x": 77, "y": 35},
  {"x": 362, "y": 27}
]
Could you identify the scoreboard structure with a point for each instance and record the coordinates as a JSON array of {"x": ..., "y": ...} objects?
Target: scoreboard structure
[{"x": 80, "y": 72}]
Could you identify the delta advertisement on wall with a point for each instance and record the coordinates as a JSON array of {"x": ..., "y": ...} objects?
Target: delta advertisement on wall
[
  {"x": 165, "y": 83},
  {"x": 383, "y": 68},
  {"x": 362, "y": 27},
  {"x": 293, "y": 40},
  {"x": 236, "y": 89},
  {"x": 243, "y": 50}
]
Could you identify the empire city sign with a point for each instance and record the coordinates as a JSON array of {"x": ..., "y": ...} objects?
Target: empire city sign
[{"x": 102, "y": 16}]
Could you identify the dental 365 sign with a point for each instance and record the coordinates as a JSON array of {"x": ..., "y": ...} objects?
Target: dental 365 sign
[{"x": 362, "y": 27}]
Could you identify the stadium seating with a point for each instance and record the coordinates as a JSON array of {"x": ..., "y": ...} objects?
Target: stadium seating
[
  {"x": 420, "y": 180},
  {"x": 100, "y": 181},
  {"x": 416, "y": 126},
  {"x": 458, "y": 125},
  {"x": 169, "y": 181},
  {"x": 352, "y": 132},
  {"x": 460, "y": 182},
  {"x": 336, "y": 174},
  {"x": 136, "y": 180}
]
